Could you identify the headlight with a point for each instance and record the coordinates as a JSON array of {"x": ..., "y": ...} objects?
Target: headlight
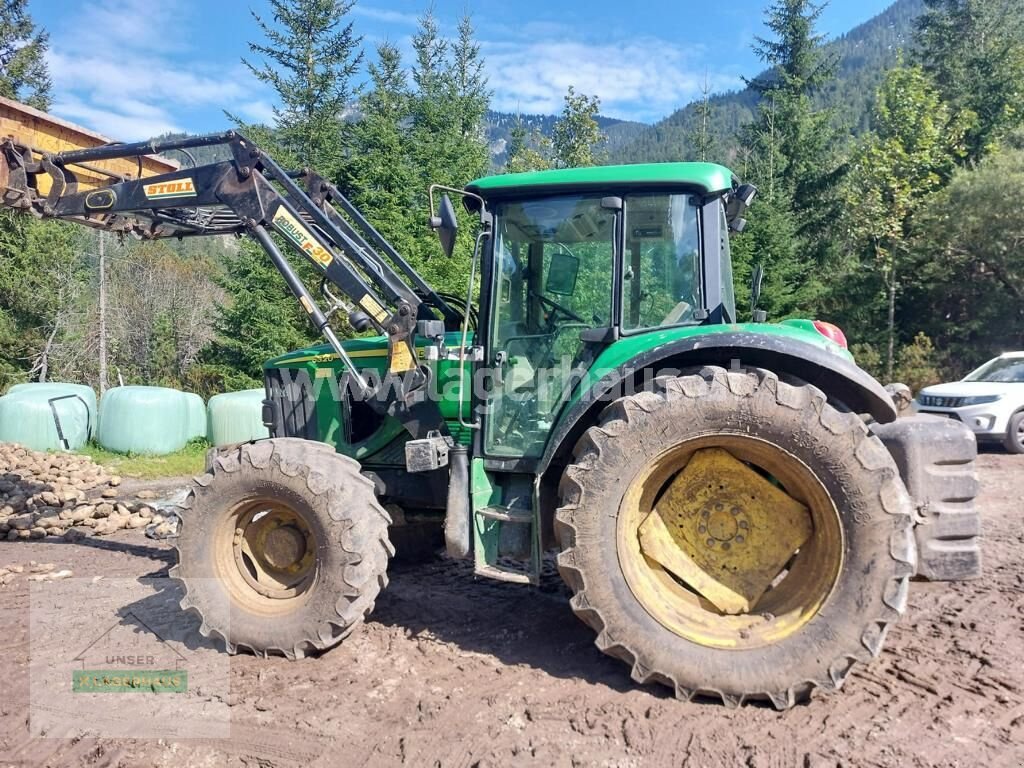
[{"x": 980, "y": 399}]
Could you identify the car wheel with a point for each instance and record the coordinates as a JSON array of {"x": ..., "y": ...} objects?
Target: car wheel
[{"x": 1014, "y": 440}]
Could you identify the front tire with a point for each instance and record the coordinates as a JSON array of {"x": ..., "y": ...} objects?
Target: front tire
[
  {"x": 1014, "y": 439},
  {"x": 283, "y": 547},
  {"x": 758, "y": 438}
]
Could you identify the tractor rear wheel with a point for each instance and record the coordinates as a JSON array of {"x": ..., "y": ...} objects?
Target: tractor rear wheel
[
  {"x": 283, "y": 547},
  {"x": 735, "y": 536}
]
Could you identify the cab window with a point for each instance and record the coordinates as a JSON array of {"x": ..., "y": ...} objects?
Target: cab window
[{"x": 661, "y": 262}]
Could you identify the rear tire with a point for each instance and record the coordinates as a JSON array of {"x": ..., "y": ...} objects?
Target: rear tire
[
  {"x": 1014, "y": 439},
  {"x": 670, "y": 633},
  {"x": 283, "y": 547}
]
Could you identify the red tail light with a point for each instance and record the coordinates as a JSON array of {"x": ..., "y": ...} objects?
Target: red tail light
[{"x": 832, "y": 332}]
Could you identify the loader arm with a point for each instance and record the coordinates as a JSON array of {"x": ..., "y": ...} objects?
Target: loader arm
[{"x": 250, "y": 194}]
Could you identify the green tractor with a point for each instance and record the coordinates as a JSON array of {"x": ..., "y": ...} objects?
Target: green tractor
[{"x": 735, "y": 507}]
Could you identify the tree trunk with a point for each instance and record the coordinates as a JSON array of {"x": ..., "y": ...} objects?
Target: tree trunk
[
  {"x": 103, "y": 316},
  {"x": 44, "y": 358},
  {"x": 892, "y": 325}
]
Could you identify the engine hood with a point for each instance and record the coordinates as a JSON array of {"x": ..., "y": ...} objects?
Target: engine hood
[{"x": 971, "y": 388}]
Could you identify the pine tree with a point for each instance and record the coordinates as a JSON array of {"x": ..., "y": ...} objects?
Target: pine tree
[
  {"x": 23, "y": 73},
  {"x": 40, "y": 260},
  {"x": 469, "y": 98},
  {"x": 448, "y": 142},
  {"x": 700, "y": 139},
  {"x": 974, "y": 52},
  {"x": 310, "y": 57},
  {"x": 431, "y": 134},
  {"x": 163, "y": 369},
  {"x": 577, "y": 136},
  {"x": 380, "y": 178},
  {"x": 804, "y": 135},
  {"x": 526, "y": 150},
  {"x": 446, "y": 138},
  {"x": 769, "y": 239},
  {"x": 792, "y": 144}
]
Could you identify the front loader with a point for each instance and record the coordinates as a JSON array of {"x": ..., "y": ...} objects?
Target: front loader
[{"x": 735, "y": 506}]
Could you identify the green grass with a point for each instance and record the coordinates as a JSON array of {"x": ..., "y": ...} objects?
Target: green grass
[{"x": 188, "y": 461}]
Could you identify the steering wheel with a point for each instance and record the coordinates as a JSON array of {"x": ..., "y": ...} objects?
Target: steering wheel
[{"x": 556, "y": 307}]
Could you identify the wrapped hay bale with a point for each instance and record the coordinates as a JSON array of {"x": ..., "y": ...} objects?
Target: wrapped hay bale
[
  {"x": 197, "y": 426},
  {"x": 65, "y": 389},
  {"x": 48, "y": 417},
  {"x": 145, "y": 420},
  {"x": 236, "y": 417}
]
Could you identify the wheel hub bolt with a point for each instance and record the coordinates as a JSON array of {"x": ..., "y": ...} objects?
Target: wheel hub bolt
[{"x": 722, "y": 525}]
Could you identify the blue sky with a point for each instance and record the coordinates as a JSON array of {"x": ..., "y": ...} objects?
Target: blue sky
[{"x": 132, "y": 69}]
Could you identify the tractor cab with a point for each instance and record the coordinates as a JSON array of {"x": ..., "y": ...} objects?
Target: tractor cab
[{"x": 578, "y": 259}]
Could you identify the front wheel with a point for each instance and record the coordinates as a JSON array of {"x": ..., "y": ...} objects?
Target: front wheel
[
  {"x": 1014, "y": 440},
  {"x": 283, "y": 547},
  {"x": 735, "y": 536}
]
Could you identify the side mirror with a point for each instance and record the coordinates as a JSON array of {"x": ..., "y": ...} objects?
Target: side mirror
[
  {"x": 562, "y": 274},
  {"x": 447, "y": 225},
  {"x": 756, "y": 280},
  {"x": 746, "y": 193},
  {"x": 737, "y": 203}
]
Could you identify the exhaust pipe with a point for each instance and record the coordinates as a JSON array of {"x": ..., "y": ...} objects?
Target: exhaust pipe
[{"x": 458, "y": 514}]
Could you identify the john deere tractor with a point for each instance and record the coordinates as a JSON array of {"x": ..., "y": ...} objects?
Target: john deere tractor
[{"x": 735, "y": 507}]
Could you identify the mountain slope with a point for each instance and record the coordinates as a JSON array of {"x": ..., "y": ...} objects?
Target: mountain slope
[
  {"x": 865, "y": 53},
  {"x": 620, "y": 133}
]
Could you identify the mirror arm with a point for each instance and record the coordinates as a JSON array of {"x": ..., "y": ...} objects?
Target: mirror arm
[
  {"x": 475, "y": 424},
  {"x": 454, "y": 191}
]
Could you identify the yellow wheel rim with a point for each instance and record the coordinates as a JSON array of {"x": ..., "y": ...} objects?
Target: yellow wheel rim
[
  {"x": 729, "y": 541},
  {"x": 265, "y": 554}
]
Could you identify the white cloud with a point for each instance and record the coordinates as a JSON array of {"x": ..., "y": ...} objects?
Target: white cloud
[
  {"x": 129, "y": 69},
  {"x": 385, "y": 15},
  {"x": 257, "y": 112},
  {"x": 132, "y": 121},
  {"x": 123, "y": 69},
  {"x": 640, "y": 78},
  {"x": 140, "y": 24}
]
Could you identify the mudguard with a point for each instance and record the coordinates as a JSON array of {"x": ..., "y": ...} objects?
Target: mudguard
[{"x": 837, "y": 376}]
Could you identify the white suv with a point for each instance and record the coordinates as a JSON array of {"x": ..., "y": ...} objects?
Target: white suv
[{"x": 989, "y": 400}]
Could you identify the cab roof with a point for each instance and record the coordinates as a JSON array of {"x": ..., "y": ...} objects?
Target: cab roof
[{"x": 710, "y": 178}]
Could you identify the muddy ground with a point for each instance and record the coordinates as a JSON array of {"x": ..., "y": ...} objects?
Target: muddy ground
[{"x": 448, "y": 672}]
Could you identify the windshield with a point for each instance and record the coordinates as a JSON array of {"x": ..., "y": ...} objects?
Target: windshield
[
  {"x": 552, "y": 279},
  {"x": 1002, "y": 369}
]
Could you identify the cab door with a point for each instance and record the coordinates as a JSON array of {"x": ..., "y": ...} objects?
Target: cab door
[{"x": 552, "y": 279}]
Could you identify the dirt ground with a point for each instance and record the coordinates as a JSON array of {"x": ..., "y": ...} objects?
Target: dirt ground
[{"x": 452, "y": 672}]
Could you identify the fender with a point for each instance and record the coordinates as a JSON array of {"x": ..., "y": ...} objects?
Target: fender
[{"x": 838, "y": 377}]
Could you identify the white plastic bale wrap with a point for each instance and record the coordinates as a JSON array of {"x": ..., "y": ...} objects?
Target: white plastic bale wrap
[
  {"x": 197, "y": 426},
  {"x": 236, "y": 417},
  {"x": 146, "y": 420},
  {"x": 65, "y": 389},
  {"x": 47, "y": 417}
]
